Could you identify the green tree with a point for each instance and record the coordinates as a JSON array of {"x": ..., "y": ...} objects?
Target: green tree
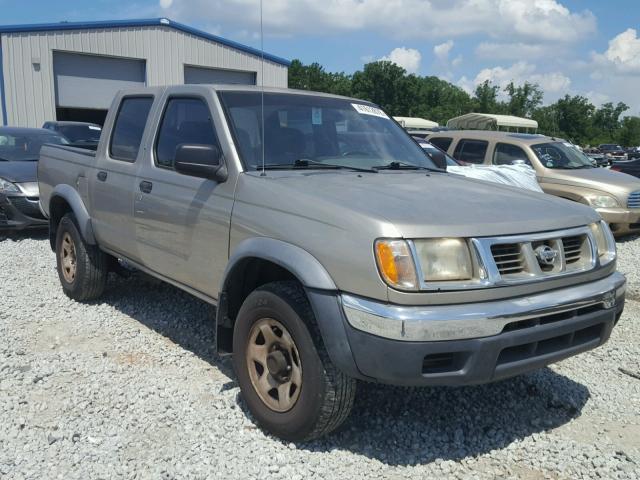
[
  {"x": 384, "y": 83},
  {"x": 523, "y": 99},
  {"x": 629, "y": 132},
  {"x": 486, "y": 98},
  {"x": 606, "y": 120},
  {"x": 575, "y": 118}
]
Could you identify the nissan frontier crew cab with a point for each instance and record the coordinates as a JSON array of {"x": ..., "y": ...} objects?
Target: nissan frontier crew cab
[{"x": 331, "y": 245}]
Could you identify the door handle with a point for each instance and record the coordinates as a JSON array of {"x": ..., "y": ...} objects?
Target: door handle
[
  {"x": 102, "y": 176},
  {"x": 145, "y": 187}
]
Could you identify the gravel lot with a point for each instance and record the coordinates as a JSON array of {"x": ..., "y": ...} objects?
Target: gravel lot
[{"x": 129, "y": 387}]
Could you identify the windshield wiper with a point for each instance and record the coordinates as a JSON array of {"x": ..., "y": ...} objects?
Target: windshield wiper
[
  {"x": 403, "y": 166},
  {"x": 308, "y": 163}
]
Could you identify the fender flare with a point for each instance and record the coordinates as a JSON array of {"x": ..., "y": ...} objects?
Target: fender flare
[
  {"x": 72, "y": 197},
  {"x": 304, "y": 266},
  {"x": 321, "y": 292}
]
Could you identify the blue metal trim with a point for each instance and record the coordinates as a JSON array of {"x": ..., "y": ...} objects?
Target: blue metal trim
[
  {"x": 3, "y": 100},
  {"x": 144, "y": 22}
]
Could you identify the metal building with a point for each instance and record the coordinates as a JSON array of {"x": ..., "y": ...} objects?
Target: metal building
[{"x": 71, "y": 70}]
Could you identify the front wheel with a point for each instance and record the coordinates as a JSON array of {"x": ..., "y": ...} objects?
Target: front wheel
[{"x": 285, "y": 374}]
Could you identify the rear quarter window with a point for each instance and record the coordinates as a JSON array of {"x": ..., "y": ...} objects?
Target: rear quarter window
[
  {"x": 129, "y": 128},
  {"x": 443, "y": 143},
  {"x": 471, "y": 151}
]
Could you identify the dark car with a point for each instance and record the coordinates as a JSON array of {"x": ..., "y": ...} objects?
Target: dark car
[
  {"x": 19, "y": 151},
  {"x": 79, "y": 134},
  {"x": 597, "y": 157},
  {"x": 439, "y": 157},
  {"x": 633, "y": 152},
  {"x": 630, "y": 167},
  {"x": 613, "y": 151}
]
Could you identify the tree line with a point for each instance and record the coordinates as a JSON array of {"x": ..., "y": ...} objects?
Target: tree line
[{"x": 571, "y": 117}]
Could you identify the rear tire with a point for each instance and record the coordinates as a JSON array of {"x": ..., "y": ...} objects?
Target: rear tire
[
  {"x": 82, "y": 268},
  {"x": 322, "y": 397}
]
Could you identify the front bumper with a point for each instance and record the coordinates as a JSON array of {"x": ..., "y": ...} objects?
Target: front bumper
[
  {"x": 482, "y": 342},
  {"x": 18, "y": 212},
  {"x": 621, "y": 220}
]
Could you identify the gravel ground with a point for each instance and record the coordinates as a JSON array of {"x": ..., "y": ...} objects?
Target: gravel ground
[{"x": 129, "y": 387}]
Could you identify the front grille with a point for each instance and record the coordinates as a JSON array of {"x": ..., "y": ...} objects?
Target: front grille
[
  {"x": 3, "y": 215},
  {"x": 634, "y": 200},
  {"x": 517, "y": 261},
  {"x": 27, "y": 207},
  {"x": 572, "y": 247},
  {"x": 508, "y": 258}
]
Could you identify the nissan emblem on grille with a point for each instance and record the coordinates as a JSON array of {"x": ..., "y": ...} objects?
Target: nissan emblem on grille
[{"x": 546, "y": 255}]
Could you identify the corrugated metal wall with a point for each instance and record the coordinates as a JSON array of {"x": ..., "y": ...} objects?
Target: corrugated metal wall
[{"x": 30, "y": 92}]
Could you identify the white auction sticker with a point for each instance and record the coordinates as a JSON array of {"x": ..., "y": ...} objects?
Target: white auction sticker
[{"x": 368, "y": 110}]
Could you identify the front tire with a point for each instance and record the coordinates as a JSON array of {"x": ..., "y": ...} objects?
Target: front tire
[
  {"x": 82, "y": 268},
  {"x": 286, "y": 377}
]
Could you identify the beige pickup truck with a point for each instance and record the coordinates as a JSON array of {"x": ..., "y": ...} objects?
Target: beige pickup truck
[{"x": 562, "y": 170}]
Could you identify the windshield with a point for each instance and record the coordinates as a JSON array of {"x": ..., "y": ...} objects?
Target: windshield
[
  {"x": 81, "y": 133},
  {"x": 610, "y": 147},
  {"x": 313, "y": 131},
  {"x": 561, "y": 155},
  {"x": 23, "y": 146}
]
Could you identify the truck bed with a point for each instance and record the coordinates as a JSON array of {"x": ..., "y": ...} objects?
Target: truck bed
[{"x": 63, "y": 165}]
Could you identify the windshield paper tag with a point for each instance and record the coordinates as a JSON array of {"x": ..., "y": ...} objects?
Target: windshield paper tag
[
  {"x": 368, "y": 110},
  {"x": 316, "y": 116},
  {"x": 91, "y": 127}
]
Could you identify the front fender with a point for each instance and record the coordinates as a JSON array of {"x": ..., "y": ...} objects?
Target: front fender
[
  {"x": 304, "y": 266},
  {"x": 73, "y": 199}
]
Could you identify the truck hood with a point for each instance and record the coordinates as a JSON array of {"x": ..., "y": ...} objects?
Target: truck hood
[
  {"x": 601, "y": 179},
  {"x": 19, "y": 172},
  {"x": 419, "y": 204}
]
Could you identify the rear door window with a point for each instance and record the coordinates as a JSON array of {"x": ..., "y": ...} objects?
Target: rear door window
[
  {"x": 506, "y": 154},
  {"x": 471, "y": 151},
  {"x": 129, "y": 127},
  {"x": 443, "y": 143},
  {"x": 185, "y": 121}
]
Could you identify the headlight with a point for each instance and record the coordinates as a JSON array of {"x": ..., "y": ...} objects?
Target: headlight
[
  {"x": 605, "y": 243},
  {"x": 444, "y": 259},
  {"x": 7, "y": 187},
  {"x": 602, "y": 201},
  {"x": 396, "y": 264}
]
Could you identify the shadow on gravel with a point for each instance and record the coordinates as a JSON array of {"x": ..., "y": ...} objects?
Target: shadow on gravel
[
  {"x": 627, "y": 238},
  {"x": 395, "y": 425},
  {"x": 154, "y": 303},
  {"x": 35, "y": 234},
  {"x": 413, "y": 426}
]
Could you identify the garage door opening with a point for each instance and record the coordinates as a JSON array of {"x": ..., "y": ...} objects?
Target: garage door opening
[
  {"x": 85, "y": 85},
  {"x": 81, "y": 115},
  {"x": 199, "y": 75}
]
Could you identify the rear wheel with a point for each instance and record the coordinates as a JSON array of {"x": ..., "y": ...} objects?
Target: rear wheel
[
  {"x": 285, "y": 374},
  {"x": 82, "y": 268}
]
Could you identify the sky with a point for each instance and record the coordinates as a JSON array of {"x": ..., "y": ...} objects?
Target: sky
[{"x": 585, "y": 47}]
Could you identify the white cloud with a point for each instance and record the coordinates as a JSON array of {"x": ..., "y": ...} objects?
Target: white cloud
[
  {"x": 541, "y": 20},
  {"x": 623, "y": 52},
  {"x": 554, "y": 84},
  {"x": 407, "y": 58},
  {"x": 442, "y": 50}
]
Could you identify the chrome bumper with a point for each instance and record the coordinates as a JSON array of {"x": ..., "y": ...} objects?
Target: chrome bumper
[{"x": 475, "y": 320}]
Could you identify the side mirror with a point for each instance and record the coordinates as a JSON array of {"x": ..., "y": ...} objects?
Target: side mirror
[{"x": 204, "y": 161}]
